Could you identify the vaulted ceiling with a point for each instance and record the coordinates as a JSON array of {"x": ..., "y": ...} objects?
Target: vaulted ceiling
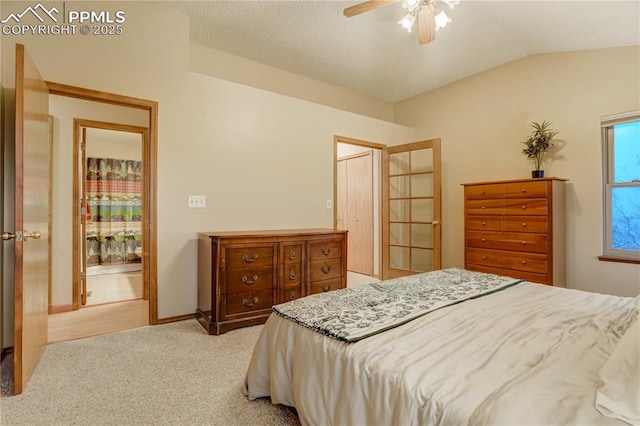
[{"x": 371, "y": 54}]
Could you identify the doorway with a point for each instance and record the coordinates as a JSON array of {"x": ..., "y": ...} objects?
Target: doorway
[
  {"x": 357, "y": 202},
  {"x": 128, "y": 297},
  {"x": 406, "y": 207},
  {"x": 110, "y": 182}
]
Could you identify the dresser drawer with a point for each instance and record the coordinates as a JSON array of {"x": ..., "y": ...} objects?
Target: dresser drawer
[
  {"x": 525, "y": 206},
  {"x": 325, "y": 250},
  {"x": 324, "y": 286},
  {"x": 289, "y": 295},
  {"x": 325, "y": 269},
  {"x": 484, "y": 223},
  {"x": 291, "y": 275},
  {"x": 291, "y": 253},
  {"x": 523, "y": 275},
  {"x": 249, "y": 279},
  {"x": 530, "y": 189},
  {"x": 525, "y": 223},
  {"x": 513, "y": 241},
  {"x": 531, "y": 262},
  {"x": 242, "y": 303},
  {"x": 488, "y": 206},
  {"x": 484, "y": 191},
  {"x": 246, "y": 257}
]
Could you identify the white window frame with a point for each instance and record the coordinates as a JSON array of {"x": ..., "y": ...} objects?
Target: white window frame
[{"x": 607, "y": 123}]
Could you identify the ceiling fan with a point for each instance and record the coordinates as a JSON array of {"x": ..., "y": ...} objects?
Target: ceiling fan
[{"x": 429, "y": 18}]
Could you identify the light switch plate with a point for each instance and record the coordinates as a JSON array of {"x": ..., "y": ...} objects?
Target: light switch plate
[
  {"x": 329, "y": 204},
  {"x": 196, "y": 201}
]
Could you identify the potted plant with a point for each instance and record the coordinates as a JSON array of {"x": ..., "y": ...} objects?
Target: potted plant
[{"x": 537, "y": 144}]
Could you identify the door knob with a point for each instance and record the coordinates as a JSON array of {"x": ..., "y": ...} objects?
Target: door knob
[
  {"x": 435, "y": 222},
  {"x": 35, "y": 235},
  {"x": 8, "y": 236}
]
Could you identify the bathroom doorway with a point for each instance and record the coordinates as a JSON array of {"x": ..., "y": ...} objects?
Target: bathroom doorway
[{"x": 110, "y": 184}]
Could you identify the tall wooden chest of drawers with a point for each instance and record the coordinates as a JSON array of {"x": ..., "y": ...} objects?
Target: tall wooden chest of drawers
[
  {"x": 241, "y": 275},
  {"x": 516, "y": 228}
]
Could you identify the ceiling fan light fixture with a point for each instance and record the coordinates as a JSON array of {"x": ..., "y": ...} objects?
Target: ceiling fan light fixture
[
  {"x": 424, "y": 13},
  {"x": 408, "y": 21},
  {"x": 441, "y": 20}
]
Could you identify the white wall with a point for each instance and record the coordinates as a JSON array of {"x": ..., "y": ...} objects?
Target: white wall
[
  {"x": 482, "y": 120},
  {"x": 104, "y": 143},
  {"x": 263, "y": 160}
]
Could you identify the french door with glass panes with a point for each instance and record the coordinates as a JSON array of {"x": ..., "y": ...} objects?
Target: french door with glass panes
[{"x": 411, "y": 211}]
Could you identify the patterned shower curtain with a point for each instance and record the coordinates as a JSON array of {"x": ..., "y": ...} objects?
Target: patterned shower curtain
[{"x": 114, "y": 211}]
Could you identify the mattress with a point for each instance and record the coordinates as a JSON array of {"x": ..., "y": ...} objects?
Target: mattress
[{"x": 529, "y": 354}]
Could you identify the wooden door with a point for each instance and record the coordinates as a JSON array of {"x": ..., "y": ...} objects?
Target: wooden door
[
  {"x": 31, "y": 218},
  {"x": 411, "y": 212},
  {"x": 357, "y": 210}
]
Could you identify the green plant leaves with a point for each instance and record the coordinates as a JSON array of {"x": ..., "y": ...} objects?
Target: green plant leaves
[{"x": 538, "y": 142}]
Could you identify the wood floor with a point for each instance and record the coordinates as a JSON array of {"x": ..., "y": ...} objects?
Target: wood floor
[
  {"x": 117, "y": 287},
  {"x": 96, "y": 320}
]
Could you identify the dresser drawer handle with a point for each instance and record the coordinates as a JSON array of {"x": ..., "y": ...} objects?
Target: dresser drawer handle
[
  {"x": 325, "y": 251},
  {"x": 484, "y": 240},
  {"x": 483, "y": 207},
  {"x": 524, "y": 207},
  {"x": 326, "y": 270},
  {"x": 326, "y": 288},
  {"x": 524, "y": 190},
  {"x": 524, "y": 243},
  {"x": 292, "y": 255},
  {"x": 484, "y": 223},
  {"x": 524, "y": 262},
  {"x": 292, "y": 295},
  {"x": 292, "y": 275},
  {"x": 524, "y": 224},
  {"x": 250, "y": 259},
  {"x": 484, "y": 257},
  {"x": 247, "y": 281},
  {"x": 245, "y": 302}
]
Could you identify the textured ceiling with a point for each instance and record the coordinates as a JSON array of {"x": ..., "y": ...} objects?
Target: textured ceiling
[{"x": 373, "y": 55}]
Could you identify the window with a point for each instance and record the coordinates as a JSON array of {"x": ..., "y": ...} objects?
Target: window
[{"x": 621, "y": 178}]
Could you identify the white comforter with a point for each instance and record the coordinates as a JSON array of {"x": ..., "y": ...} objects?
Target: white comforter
[{"x": 529, "y": 354}]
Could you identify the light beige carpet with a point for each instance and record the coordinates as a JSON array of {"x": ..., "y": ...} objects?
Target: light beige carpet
[{"x": 173, "y": 374}]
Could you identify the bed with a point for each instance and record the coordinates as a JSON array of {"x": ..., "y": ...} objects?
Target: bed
[{"x": 524, "y": 353}]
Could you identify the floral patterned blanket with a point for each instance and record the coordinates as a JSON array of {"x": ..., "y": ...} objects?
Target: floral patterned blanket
[{"x": 352, "y": 314}]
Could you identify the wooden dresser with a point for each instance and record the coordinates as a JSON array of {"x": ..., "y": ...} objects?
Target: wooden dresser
[
  {"x": 241, "y": 275},
  {"x": 516, "y": 228}
]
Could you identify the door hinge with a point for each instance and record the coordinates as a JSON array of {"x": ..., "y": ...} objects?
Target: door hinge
[{"x": 83, "y": 275}]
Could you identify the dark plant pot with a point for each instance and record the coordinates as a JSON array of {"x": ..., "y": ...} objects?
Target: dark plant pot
[{"x": 537, "y": 174}]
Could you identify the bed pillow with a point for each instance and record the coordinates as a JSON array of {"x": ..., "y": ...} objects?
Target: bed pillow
[{"x": 619, "y": 396}]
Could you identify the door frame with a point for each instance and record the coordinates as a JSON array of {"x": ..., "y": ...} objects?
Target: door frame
[
  {"x": 150, "y": 159},
  {"x": 79, "y": 263},
  {"x": 367, "y": 144}
]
